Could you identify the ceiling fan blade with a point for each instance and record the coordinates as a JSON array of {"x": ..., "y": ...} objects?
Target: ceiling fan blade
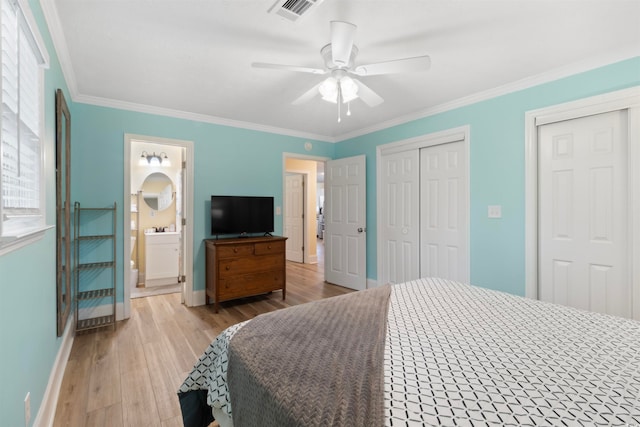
[
  {"x": 367, "y": 95},
  {"x": 419, "y": 63},
  {"x": 288, "y": 68},
  {"x": 342, "y": 35},
  {"x": 308, "y": 95}
]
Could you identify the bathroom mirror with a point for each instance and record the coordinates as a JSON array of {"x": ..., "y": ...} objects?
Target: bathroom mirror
[
  {"x": 63, "y": 212},
  {"x": 157, "y": 191}
]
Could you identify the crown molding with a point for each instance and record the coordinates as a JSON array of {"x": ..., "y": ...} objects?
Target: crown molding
[
  {"x": 60, "y": 44},
  {"x": 142, "y": 108},
  {"x": 528, "y": 82}
]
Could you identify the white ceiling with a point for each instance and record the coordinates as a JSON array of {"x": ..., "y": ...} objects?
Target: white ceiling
[{"x": 192, "y": 58}]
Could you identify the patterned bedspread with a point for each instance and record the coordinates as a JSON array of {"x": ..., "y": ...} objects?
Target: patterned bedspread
[{"x": 461, "y": 355}]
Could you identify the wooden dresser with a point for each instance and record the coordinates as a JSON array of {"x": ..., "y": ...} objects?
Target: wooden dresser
[{"x": 243, "y": 267}]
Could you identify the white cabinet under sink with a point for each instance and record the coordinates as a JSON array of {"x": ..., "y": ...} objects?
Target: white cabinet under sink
[{"x": 161, "y": 260}]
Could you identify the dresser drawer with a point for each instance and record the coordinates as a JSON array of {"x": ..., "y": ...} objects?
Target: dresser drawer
[
  {"x": 250, "y": 284},
  {"x": 270, "y": 248},
  {"x": 235, "y": 250},
  {"x": 234, "y": 266}
]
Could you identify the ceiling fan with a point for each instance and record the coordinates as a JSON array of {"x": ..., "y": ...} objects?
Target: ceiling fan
[{"x": 342, "y": 85}]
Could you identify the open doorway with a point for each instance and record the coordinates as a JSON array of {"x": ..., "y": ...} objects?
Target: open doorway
[
  {"x": 158, "y": 215},
  {"x": 303, "y": 202}
]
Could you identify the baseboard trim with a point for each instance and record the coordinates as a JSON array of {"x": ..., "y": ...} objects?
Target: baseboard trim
[
  {"x": 47, "y": 411},
  {"x": 199, "y": 297}
]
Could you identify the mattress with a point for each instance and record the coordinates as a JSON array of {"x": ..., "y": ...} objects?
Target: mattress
[{"x": 462, "y": 355}]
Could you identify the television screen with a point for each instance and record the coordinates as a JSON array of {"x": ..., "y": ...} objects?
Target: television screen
[{"x": 241, "y": 214}]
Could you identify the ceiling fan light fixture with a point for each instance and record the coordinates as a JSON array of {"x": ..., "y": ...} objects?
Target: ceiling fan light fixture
[
  {"x": 329, "y": 89},
  {"x": 349, "y": 89}
]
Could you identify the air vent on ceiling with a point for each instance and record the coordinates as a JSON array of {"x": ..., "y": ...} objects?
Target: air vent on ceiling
[{"x": 293, "y": 9}]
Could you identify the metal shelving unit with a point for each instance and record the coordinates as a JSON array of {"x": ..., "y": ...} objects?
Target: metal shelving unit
[{"x": 94, "y": 258}]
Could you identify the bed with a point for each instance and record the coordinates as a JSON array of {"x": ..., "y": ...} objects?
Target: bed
[{"x": 450, "y": 354}]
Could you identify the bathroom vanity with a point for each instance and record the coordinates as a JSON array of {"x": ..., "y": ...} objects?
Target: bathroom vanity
[{"x": 162, "y": 253}]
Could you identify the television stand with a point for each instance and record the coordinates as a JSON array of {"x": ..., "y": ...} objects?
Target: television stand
[{"x": 242, "y": 267}]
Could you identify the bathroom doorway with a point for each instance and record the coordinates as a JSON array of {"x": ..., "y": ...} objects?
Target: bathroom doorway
[{"x": 158, "y": 217}]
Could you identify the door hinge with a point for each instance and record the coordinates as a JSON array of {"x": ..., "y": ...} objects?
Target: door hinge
[
  {"x": 182, "y": 279},
  {"x": 184, "y": 164},
  {"x": 184, "y": 221}
]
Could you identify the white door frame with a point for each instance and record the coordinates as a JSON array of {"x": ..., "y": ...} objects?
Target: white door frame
[
  {"x": 461, "y": 133},
  {"x": 187, "y": 248},
  {"x": 306, "y": 259},
  {"x": 626, "y": 99}
]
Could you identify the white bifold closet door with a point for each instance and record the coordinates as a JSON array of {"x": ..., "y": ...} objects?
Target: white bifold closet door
[
  {"x": 583, "y": 214},
  {"x": 443, "y": 212}
]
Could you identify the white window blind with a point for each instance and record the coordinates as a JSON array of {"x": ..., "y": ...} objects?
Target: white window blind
[{"x": 21, "y": 182}]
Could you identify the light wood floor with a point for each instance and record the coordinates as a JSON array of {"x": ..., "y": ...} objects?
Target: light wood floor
[{"x": 129, "y": 377}]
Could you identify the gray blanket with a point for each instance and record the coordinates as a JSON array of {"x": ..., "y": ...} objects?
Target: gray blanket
[{"x": 317, "y": 364}]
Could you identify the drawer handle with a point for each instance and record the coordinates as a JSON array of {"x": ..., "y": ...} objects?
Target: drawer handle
[
  {"x": 228, "y": 267},
  {"x": 235, "y": 250},
  {"x": 269, "y": 247}
]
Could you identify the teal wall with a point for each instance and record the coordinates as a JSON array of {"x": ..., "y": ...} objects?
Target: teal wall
[
  {"x": 497, "y": 130},
  {"x": 227, "y": 161},
  {"x": 28, "y": 342}
]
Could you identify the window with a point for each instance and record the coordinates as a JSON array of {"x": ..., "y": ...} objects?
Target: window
[{"x": 22, "y": 211}]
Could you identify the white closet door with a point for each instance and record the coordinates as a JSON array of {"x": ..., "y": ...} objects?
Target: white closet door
[
  {"x": 399, "y": 213},
  {"x": 443, "y": 212},
  {"x": 583, "y": 220}
]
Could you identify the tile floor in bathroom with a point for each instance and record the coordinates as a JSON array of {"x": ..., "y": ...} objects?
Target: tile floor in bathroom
[{"x": 141, "y": 292}]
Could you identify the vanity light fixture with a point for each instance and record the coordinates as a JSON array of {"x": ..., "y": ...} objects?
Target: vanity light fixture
[{"x": 154, "y": 159}]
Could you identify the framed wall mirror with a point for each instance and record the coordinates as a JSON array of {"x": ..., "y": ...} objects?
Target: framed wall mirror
[
  {"x": 158, "y": 191},
  {"x": 64, "y": 269}
]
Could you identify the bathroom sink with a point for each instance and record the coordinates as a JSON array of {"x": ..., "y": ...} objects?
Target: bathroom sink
[{"x": 162, "y": 232}]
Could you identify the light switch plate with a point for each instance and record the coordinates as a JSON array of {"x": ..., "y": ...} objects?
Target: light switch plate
[{"x": 495, "y": 211}]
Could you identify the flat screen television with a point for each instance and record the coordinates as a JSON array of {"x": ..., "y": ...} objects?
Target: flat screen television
[{"x": 241, "y": 215}]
